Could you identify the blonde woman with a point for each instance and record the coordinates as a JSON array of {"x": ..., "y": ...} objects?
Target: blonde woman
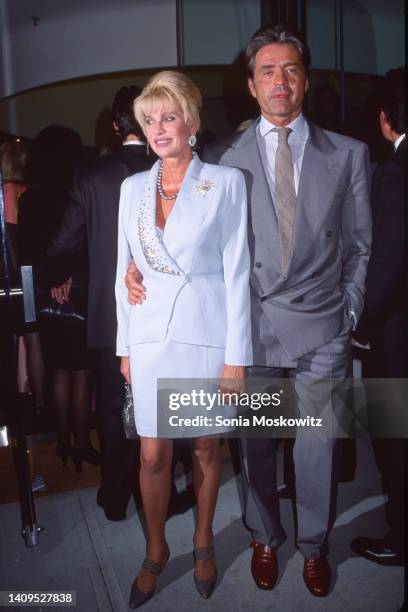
[{"x": 184, "y": 224}]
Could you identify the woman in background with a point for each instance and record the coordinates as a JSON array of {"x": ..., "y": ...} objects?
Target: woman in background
[
  {"x": 15, "y": 158},
  {"x": 56, "y": 152}
]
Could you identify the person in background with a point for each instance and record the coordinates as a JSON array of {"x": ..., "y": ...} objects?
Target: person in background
[
  {"x": 383, "y": 323},
  {"x": 56, "y": 152},
  {"x": 14, "y": 167},
  {"x": 91, "y": 221},
  {"x": 326, "y": 111}
]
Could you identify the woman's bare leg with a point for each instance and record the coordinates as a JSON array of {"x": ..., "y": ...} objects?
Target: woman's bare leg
[
  {"x": 206, "y": 479},
  {"x": 155, "y": 484}
]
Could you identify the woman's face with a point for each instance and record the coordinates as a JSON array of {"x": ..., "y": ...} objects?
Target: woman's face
[{"x": 167, "y": 131}]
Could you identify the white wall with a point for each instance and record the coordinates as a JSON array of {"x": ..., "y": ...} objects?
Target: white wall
[
  {"x": 76, "y": 38},
  {"x": 215, "y": 31}
]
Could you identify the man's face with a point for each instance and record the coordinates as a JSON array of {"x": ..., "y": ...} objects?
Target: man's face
[{"x": 279, "y": 83}]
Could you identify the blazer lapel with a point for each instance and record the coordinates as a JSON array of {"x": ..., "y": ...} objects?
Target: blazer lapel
[
  {"x": 318, "y": 175},
  {"x": 154, "y": 251},
  {"x": 188, "y": 214},
  {"x": 174, "y": 253},
  {"x": 248, "y": 153}
]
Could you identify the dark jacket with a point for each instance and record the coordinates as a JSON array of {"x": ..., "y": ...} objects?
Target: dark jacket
[
  {"x": 383, "y": 319},
  {"x": 41, "y": 210},
  {"x": 92, "y": 216}
]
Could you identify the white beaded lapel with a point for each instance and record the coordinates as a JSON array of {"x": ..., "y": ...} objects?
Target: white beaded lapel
[{"x": 153, "y": 248}]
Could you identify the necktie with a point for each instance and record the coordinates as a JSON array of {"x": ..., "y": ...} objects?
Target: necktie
[{"x": 285, "y": 194}]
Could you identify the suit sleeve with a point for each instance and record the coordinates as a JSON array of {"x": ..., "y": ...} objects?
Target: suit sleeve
[
  {"x": 70, "y": 240},
  {"x": 356, "y": 232},
  {"x": 386, "y": 266},
  {"x": 236, "y": 262},
  {"x": 123, "y": 307}
]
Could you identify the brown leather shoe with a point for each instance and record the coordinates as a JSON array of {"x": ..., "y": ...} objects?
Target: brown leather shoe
[
  {"x": 264, "y": 565},
  {"x": 317, "y": 575}
]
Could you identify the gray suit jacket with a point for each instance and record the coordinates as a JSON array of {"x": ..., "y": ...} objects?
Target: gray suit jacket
[{"x": 324, "y": 282}]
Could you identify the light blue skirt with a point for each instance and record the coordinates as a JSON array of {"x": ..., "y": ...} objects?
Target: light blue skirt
[{"x": 151, "y": 361}]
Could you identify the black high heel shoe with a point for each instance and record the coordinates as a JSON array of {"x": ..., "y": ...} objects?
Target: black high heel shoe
[
  {"x": 139, "y": 597},
  {"x": 90, "y": 455}
]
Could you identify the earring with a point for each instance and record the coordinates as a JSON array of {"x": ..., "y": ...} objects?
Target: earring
[
  {"x": 147, "y": 148},
  {"x": 192, "y": 140}
]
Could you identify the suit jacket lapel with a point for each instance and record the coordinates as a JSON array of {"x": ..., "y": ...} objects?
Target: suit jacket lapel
[
  {"x": 154, "y": 251},
  {"x": 315, "y": 194},
  {"x": 248, "y": 153},
  {"x": 185, "y": 220},
  {"x": 174, "y": 253}
]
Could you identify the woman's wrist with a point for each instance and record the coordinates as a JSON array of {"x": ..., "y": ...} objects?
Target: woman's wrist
[{"x": 235, "y": 370}]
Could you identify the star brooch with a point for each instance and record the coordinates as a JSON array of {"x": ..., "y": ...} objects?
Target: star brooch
[{"x": 204, "y": 186}]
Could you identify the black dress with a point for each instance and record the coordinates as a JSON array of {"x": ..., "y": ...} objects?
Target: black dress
[{"x": 63, "y": 338}]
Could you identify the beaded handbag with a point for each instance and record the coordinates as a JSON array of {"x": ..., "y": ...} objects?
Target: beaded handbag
[{"x": 128, "y": 416}]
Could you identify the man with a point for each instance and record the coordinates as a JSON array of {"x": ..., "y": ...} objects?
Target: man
[
  {"x": 307, "y": 285},
  {"x": 383, "y": 321},
  {"x": 309, "y": 239},
  {"x": 92, "y": 217}
]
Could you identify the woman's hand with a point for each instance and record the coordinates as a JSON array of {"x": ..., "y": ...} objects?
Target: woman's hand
[
  {"x": 125, "y": 368},
  {"x": 233, "y": 379},
  {"x": 61, "y": 294}
]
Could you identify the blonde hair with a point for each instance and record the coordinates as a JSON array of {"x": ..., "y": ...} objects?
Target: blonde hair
[{"x": 173, "y": 88}]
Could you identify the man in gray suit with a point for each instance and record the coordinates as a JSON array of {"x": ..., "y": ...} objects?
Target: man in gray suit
[
  {"x": 309, "y": 237},
  {"x": 310, "y": 233}
]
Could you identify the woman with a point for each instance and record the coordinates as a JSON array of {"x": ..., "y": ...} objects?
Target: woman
[
  {"x": 184, "y": 224},
  {"x": 57, "y": 151}
]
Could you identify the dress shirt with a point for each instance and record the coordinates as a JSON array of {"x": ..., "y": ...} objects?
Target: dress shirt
[
  {"x": 297, "y": 141},
  {"x": 133, "y": 142},
  {"x": 398, "y": 141}
]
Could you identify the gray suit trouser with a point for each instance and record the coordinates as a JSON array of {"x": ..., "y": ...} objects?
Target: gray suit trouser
[{"x": 315, "y": 453}]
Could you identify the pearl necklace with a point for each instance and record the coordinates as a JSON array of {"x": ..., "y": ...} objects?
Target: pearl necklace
[{"x": 160, "y": 189}]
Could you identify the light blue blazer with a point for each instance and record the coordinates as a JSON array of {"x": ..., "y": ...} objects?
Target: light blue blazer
[{"x": 197, "y": 275}]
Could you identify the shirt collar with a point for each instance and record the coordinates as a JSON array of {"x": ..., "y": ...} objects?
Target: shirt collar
[
  {"x": 398, "y": 141},
  {"x": 132, "y": 142},
  {"x": 298, "y": 125}
]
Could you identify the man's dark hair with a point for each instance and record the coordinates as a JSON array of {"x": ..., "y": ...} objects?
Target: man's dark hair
[
  {"x": 123, "y": 114},
  {"x": 392, "y": 99},
  {"x": 56, "y": 152},
  {"x": 282, "y": 34}
]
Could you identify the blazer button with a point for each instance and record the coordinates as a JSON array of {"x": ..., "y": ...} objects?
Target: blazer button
[
  {"x": 329, "y": 233},
  {"x": 258, "y": 264}
]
